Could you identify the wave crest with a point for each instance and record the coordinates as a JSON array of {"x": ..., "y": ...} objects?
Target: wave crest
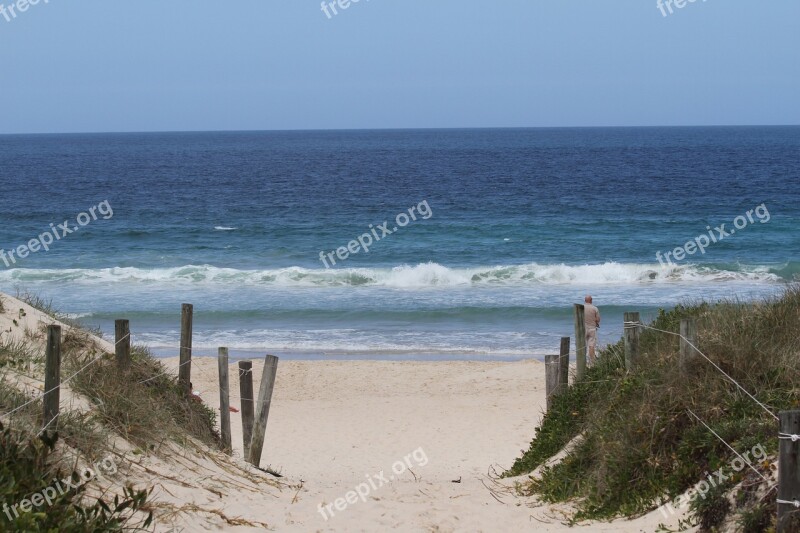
[{"x": 407, "y": 276}]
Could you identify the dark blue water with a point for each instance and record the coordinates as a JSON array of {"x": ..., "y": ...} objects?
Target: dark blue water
[{"x": 508, "y": 228}]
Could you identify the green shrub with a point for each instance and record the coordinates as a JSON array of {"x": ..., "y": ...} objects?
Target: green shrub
[{"x": 24, "y": 471}]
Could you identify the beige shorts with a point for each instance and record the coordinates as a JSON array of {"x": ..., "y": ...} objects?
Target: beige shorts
[{"x": 591, "y": 337}]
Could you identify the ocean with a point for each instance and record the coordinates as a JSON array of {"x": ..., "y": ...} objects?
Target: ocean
[{"x": 479, "y": 242}]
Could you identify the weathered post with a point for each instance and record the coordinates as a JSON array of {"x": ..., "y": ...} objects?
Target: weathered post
[
  {"x": 246, "y": 396},
  {"x": 52, "y": 377},
  {"x": 224, "y": 400},
  {"x": 185, "y": 370},
  {"x": 551, "y": 377},
  {"x": 688, "y": 339},
  {"x": 580, "y": 342},
  {"x": 563, "y": 366},
  {"x": 122, "y": 344},
  {"x": 262, "y": 410},
  {"x": 788, "y": 472},
  {"x": 631, "y": 328}
]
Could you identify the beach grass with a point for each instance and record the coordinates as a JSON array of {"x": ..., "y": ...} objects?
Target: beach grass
[
  {"x": 641, "y": 445},
  {"x": 144, "y": 405}
]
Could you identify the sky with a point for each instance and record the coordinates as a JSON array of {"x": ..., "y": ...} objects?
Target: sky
[{"x": 197, "y": 65}]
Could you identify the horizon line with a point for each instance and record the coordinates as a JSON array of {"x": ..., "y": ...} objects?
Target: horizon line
[{"x": 460, "y": 128}]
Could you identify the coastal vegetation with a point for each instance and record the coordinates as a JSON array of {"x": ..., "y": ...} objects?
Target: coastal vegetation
[
  {"x": 142, "y": 407},
  {"x": 642, "y": 439}
]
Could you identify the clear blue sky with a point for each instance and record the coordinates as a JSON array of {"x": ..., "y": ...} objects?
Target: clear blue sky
[{"x": 100, "y": 65}]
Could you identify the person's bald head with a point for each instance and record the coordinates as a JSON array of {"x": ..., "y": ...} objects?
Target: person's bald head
[{"x": 588, "y": 299}]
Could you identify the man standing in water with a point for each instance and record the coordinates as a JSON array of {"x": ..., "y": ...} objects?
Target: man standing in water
[{"x": 591, "y": 321}]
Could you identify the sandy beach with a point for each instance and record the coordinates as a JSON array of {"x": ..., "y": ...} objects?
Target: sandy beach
[{"x": 335, "y": 425}]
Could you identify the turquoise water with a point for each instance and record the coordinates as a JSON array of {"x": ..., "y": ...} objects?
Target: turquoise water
[{"x": 512, "y": 227}]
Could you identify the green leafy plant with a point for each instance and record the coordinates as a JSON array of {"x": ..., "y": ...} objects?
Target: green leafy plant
[{"x": 24, "y": 471}]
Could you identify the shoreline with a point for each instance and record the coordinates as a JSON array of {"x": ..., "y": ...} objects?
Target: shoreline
[{"x": 384, "y": 358}]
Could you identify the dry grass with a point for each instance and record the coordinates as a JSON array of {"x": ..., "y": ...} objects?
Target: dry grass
[{"x": 144, "y": 404}]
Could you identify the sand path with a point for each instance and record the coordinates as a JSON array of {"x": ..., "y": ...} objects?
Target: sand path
[{"x": 337, "y": 425}]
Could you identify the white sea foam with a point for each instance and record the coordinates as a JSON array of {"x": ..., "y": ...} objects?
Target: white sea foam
[
  {"x": 403, "y": 277},
  {"x": 342, "y": 342},
  {"x": 74, "y": 316}
]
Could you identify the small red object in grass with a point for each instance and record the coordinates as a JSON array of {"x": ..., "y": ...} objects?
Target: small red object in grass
[{"x": 233, "y": 409}]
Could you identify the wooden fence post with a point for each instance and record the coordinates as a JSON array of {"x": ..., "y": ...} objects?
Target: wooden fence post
[
  {"x": 224, "y": 400},
  {"x": 551, "y": 377},
  {"x": 246, "y": 396},
  {"x": 631, "y": 329},
  {"x": 788, "y": 472},
  {"x": 262, "y": 410},
  {"x": 52, "y": 377},
  {"x": 688, "y": 335},
  {"x": 563, "y": 366},
  {"x": 580, "y": 342},
  {"x": 185, "y": 370},
  {"x": 122, "y": 344}
]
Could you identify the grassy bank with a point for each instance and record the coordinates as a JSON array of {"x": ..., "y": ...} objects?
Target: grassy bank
[
  {"x": 144, "y": 407},
  {"x": 641, "y": 445}
]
